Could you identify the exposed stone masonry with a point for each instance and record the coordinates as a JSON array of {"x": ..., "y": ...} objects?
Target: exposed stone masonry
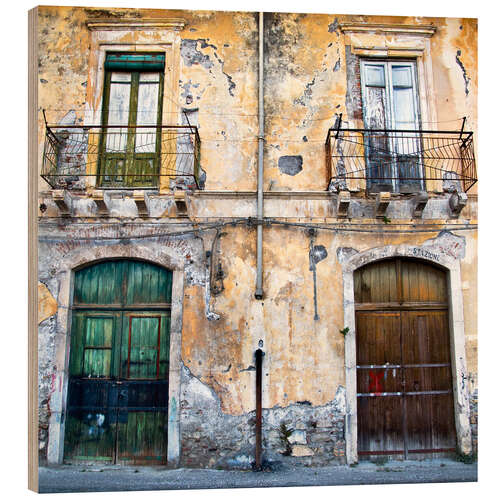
[{"x": 211, "y": 438}]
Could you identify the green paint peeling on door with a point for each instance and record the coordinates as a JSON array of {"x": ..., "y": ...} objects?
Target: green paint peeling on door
[{"x": 118, "y": 387}]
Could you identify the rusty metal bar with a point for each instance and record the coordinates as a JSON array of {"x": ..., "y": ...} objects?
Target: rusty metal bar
[
  {"x": 399, "y": 131},
  {"x": 87, "y": 127},
  {"x": 378, "y": 394},
  {"x": 258, "y": 409},
  {"x": 424, "y": 365},
  {"x": 463, "y": 126},
  {"x": 401, "y": 452},
  {"x": 382, "y": 452},
  {"x": 412, "y": 393},
  {"x": 432, "y": 450}
]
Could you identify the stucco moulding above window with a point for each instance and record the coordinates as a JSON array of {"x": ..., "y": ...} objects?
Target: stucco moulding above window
[
  {"x": 424, "y": 30},
  {"x": 176, "y": 24}
]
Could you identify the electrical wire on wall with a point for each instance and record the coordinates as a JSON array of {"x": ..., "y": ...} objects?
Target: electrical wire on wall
[{"x": 373, "y": 228}]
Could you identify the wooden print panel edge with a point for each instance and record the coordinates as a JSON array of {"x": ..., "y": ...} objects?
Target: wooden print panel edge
[{"x": 32, "y": 250}]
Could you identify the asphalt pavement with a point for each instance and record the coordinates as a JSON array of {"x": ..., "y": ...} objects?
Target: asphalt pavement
[{"x": 71, "y": 478}]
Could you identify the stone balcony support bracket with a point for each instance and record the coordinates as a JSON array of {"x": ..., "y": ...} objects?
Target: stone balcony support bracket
[
  {"x": 98, "y": 197},
  {"x": 457, "y": 202},
  {"x": 62, "y": 199},
  {"x": 181, "y": 203},
  {"x": 419, "y": 203},
  {"x": 139, "y": 198},
  {"x": 381, "y": 203},
  {"x": 343, "y": 201}
]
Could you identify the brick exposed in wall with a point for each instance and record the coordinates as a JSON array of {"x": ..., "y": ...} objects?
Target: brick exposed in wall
[{"x": 353, "y": 95}]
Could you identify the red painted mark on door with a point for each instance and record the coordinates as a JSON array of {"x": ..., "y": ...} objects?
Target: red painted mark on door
[{"x": 375, "y": 382}]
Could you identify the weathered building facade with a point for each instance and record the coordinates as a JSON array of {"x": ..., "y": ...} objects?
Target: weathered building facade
[{"x": 240, "y": 211}]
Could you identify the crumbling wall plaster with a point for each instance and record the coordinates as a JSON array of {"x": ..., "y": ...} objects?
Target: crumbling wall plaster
[{"x": 212, "y": 438}]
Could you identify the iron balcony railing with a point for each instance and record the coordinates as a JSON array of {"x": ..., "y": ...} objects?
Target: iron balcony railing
[
  {"x": 400, "y": 160},
  {"x": 115, "y": 156}
]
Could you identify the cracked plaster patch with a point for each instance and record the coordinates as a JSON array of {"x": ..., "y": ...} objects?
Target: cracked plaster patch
[
  {"x": 448, "y": 244},
  {"x": 47, "y": 305}
]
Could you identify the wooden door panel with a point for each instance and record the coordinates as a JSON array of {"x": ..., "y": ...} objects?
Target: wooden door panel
[
  {"x": 376, "y": 283},
  {"x": 380, "y": 424},
  {"x": 422, "y": 283},
  {"x": 380, "y": 416},
  {"x": 142, "y": 438},
  {"x": 143, "y": 422},
  {"x": 430, "y": 424},
  {"x": 91, "y": 420},
  {"x": 434, "y": 378},
  {"x": 428, "y": 389},
  {"x": 142, "y": 431},
  {"x": 404, "y": 380},
  {"x": 378, "y": 380},
  {"x": 378, "y": 338},
  {"x": 145, "y": 346}
]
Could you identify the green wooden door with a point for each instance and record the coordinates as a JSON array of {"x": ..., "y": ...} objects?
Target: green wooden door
[
  {"x": 131, "y": 140},
  {"x": 118, "y": 386}
]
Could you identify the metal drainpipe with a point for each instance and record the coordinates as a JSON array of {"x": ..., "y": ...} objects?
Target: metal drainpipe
[
  {"x": 259, "y": 293},
  {"x": 259, "y": 354}
]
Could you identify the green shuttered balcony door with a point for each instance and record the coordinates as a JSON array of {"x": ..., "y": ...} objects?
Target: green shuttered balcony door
[
  {"x": 117, "y": 404},
  {"x": 132, "y": 107}
]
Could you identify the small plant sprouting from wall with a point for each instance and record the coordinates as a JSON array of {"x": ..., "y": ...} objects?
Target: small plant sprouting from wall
[
  {"x": 285, "y": 433},
  {"x": 344, "y": 331}
]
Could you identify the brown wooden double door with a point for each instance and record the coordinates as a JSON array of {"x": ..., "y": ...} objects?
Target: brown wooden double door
[{"x": 404, "y": 384}]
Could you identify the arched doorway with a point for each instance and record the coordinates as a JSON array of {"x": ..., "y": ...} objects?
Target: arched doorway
[
  {"x": 403, "y": 361},
  {"x": 117, "y": 405}
]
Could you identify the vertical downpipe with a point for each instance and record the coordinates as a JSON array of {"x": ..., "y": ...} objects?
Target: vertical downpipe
[
  {"x": 259, "y": 294},
  {"x": 258, "y": 409}
]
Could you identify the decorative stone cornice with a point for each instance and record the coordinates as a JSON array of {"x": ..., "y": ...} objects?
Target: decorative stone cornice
[
  {"x": 422, "y": 30},
  {"x": 175, "y": 24}
]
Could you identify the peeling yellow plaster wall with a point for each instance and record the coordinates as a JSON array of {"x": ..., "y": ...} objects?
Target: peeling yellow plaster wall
[
  {"x": 304, "y": 358},
  {"x": 305, "y": 83},
  {"x": 305, "y": 86}
]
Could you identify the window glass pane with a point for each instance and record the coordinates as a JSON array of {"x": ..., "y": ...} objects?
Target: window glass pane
[
  {"x": 401, "y": 76},
  {"x": 375, "y": 75},
  {"x": 120, "y": 77},
  {"x": 149, "y": 77},
  {"x": 118, "y": 114},
  {"x": 375, "y": 108},
  {"x": 404, "y": 109},
  {"x": 147, "y": 114}
]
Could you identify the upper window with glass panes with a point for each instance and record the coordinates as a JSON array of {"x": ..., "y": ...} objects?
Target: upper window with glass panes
[{"x": 390, "y": 106}]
